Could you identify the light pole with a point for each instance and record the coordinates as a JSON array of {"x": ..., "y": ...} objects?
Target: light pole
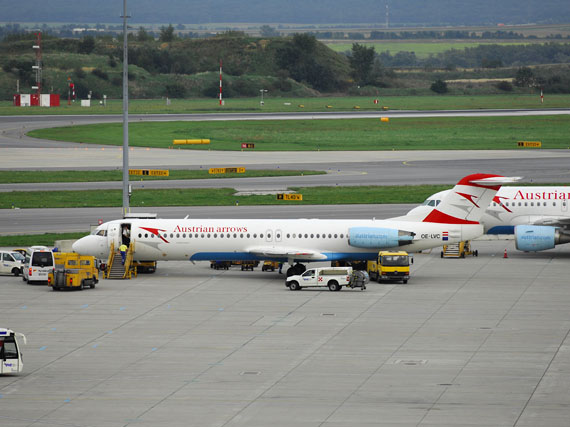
[
  {"x": 126, "y": 192},
  {"x": 262, "y": 91}
]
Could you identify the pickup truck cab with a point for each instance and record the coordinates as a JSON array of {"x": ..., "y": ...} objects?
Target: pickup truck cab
[{"x": 332, "y": 277}]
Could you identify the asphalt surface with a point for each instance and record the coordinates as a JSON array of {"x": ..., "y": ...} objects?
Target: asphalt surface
[{"x": 467, "y": 342}]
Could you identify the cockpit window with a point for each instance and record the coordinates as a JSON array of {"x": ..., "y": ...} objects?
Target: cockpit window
[{"x": 102, "y": 233}]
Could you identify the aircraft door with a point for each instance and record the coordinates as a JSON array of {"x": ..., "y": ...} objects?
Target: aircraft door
[
  {"x": 114, "y": 234},
  {"x": 269, "y": 235}
]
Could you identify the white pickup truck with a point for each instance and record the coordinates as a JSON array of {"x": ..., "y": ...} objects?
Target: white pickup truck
[{"x": 332, "y": 277}]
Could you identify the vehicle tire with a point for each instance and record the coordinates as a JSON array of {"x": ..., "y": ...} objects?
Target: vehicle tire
[
  {"x": 242, "y": 268},
  {"x": 16, "y": 272},
  {"x": 363, "y": 287},
  {"x": 404, "y": 281},
  {"x": 441, "y": 254},
  {"x": 294, "y": 286},
  {"x": 24, "y": 278},
  {"x": 476, "y": 253},
  {"x": 334, "y": 286}
]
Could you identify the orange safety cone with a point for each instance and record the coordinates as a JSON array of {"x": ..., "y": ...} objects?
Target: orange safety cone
[{"x": 505, "y": 254}]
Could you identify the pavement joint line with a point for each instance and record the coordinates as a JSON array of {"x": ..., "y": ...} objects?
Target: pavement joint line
[
  {"x": 320, "y": 344},
  {"x": 196, "y": 378}
]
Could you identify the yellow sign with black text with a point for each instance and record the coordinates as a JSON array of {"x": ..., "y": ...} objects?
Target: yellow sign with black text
[
  {"x": 225, "y": 170},
  {"x": 529, "y": 144},
  {"x": 290, "y": 197},
  {"x": 149, "y": 172}
]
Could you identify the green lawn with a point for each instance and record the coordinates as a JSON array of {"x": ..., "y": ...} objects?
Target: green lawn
[
  {"x": 216, "y": 197},
  {"x": 421, "y": 48},
  {"x": 201, "y": 105},
  {"x": 47, "y": 239},
  {"x": 14, "y": 177},
  {"x": 476, "y": 133}
]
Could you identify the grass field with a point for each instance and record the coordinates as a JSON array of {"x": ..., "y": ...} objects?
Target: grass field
[
  {"x": 455, "y": 133},
  {"x": 233, "y": 105},
  {"x": 14, "y": 177},
  {"x": 47, "y": 239},
  {"x": 422, "y": 48},
  {"x": 216, "y": 197}
]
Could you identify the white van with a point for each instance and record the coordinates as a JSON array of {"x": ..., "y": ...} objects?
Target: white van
[
  {"x": 39, "y": 264},
  {"x": 11, "y": 263}
]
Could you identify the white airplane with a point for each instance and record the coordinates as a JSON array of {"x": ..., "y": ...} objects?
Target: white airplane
[
  {"x": 537, "y": 218},
  {"x": 299, "y": 240}
]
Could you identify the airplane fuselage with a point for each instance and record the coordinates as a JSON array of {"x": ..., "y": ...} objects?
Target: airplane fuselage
[{"x": 281, "y": 240}]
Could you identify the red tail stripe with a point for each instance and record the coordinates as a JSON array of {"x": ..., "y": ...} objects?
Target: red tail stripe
[
  {"x": 443, "y": 218},
  {"x": 478, "y": 176}
]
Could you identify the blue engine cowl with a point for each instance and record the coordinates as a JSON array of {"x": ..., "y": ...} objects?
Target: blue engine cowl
[
  {"x": 378, "y": 238},
  {"x": 532, "y": 238}
]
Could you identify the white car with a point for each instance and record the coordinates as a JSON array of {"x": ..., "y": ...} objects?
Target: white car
[{"x": 11, "y": 263}]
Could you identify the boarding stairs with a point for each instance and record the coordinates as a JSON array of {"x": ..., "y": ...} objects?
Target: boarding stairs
[
  {"x": 115, "y": 268},
  {"x": 452, "y": 250}
]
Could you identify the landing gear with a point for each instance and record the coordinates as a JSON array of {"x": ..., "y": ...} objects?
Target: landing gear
[{"x": 296, "y": 270}]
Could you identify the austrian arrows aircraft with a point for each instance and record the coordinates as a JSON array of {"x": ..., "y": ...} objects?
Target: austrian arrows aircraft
[
  {"x": 537, "y": 218},
  {"x": 299, "y": 240}
]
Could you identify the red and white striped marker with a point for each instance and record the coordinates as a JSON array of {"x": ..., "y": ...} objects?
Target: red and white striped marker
[{"x": 220, "y": 82}]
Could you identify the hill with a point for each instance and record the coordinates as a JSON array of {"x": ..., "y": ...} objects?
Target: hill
[{"x": 298, "y": 66}]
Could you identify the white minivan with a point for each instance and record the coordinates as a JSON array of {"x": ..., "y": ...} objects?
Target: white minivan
[
  {"x": 11, "y": 263},
  {"x": 39, "y": 264}
]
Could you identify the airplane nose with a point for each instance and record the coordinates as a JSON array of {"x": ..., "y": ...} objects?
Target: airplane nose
[{"x": 81, "y": 246}]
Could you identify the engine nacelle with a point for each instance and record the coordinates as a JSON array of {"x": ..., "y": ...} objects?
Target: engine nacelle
[
  {"x": 533, "y": 238},
  {"x": 378, "y": 238}
]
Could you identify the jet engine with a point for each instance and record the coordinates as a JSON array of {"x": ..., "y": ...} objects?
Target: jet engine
[
  {"x": 378, "y": 238},
  {"x": 534, "y": 238}
]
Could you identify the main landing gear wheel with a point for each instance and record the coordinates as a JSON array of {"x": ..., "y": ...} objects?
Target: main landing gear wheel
[{"x": 296, "y": 270}]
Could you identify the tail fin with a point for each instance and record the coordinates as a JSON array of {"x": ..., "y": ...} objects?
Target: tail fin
[{"x": 468, "y": 200}]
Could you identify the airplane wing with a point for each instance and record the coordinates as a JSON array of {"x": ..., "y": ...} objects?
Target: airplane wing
[{"x": 285, "y": 252}]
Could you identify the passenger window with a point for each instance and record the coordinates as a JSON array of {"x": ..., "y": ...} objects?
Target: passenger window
[
  {"x": 215, "y": 235},
  {"x": 312, "y": 236},
  {"x": 235, "y": 236},
  {"x": 335, "y": 236},
  {"x": 306, "y": 236},
  {"x": 261, "y": 235},
  {"x": 241, "y": 236}
]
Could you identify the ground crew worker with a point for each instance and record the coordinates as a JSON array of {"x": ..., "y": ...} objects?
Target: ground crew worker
[{"x": 123, "y": 249}]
